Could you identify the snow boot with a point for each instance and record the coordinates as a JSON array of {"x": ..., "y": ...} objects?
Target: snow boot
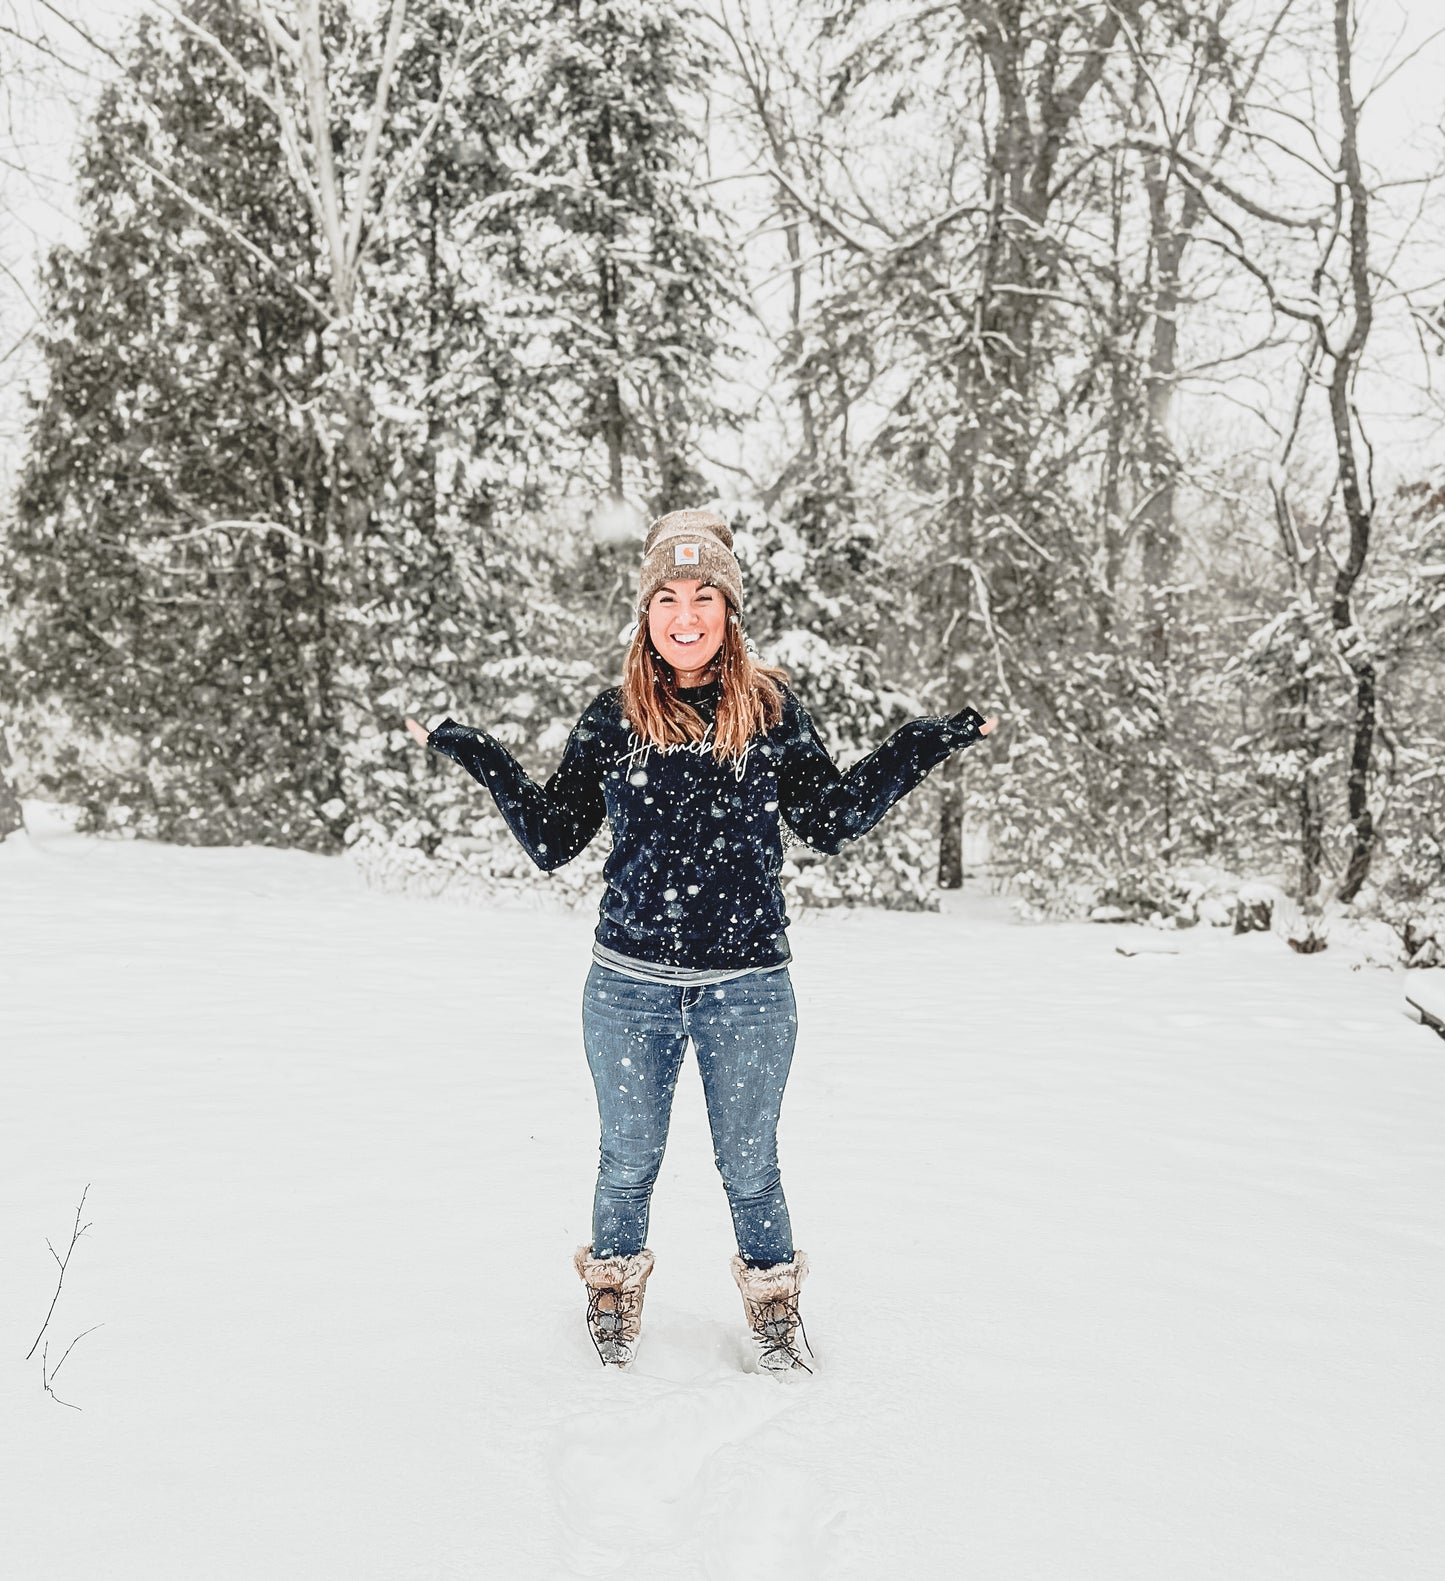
[
  {"x": 615, "y": 1287},
  {"x": 770, "y": 1300}
]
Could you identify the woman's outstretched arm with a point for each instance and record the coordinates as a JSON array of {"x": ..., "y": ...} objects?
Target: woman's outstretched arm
[
  {"x": 827, "y": 806},
  {"x": 554, "y": 821}
]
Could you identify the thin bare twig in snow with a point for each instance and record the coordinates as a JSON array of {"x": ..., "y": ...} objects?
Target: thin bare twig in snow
[
  {"x": 45, "y": 1381},
  {"x": 71, "y": 1346},
  {"x": 47, "y": 1373},
  {"x": 63, "y": 1263}
]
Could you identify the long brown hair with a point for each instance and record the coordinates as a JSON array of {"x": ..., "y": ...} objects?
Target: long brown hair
[{"x": 750, "y": 702}]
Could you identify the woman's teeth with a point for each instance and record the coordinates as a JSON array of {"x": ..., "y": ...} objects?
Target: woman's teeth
[{"x": 686, "y": 637}]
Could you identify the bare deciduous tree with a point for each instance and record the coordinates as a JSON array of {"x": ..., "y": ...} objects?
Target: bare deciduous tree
[{"x": 1333, "y": 308}]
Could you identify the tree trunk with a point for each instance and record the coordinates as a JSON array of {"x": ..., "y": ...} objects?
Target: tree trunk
[
  {"x": 1358, "y": 510},
  {"x": 1037, "y": 105},
  {"x": 998, "y": 362},
  {"x": 1311, "y": 809},
  {"x": 431, "y": 250},
  {"x": 950, "y": 826}
]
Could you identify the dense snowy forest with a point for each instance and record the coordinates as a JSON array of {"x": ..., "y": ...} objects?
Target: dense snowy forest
[{"x": 1073, "y": 361}]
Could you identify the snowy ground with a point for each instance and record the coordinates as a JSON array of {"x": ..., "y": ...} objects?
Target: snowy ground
[{"x": 1123, "y": 1267}]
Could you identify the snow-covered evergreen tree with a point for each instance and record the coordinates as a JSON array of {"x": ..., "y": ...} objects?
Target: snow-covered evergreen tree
[
  {"x": 167, "y": 649},
  {"x": 622, "y": 243},
  {"x": 1407, "y": 612},
  {"x": 554, "y": 280},
  {"x": 441, "y": 597},
  {"x": 818, "y": 605}
]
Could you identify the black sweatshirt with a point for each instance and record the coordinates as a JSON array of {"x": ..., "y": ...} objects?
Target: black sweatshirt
[{"x": 696, "y": 848}]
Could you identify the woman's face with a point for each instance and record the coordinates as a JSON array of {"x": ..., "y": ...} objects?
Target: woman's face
[{"x": 686, "y": 621}]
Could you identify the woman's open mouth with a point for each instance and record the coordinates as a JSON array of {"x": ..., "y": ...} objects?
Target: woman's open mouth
[{"x": 685, "y": 638}]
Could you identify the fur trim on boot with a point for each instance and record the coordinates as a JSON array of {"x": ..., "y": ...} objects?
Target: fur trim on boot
[
  {"x": 770, "y": 1300},
  {"x": 615, "y": 1287}
]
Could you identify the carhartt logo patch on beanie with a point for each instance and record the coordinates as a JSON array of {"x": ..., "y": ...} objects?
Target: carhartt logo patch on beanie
[{"x": 690, "y": 546}]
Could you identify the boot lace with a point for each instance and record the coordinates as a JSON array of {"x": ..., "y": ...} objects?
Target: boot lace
[
  {"x": 777, "y": 1327},
  {"x": 613, "y": 1321}
]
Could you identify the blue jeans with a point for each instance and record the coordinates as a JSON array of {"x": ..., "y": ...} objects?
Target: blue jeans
[{"x": 743, "y": 1032}]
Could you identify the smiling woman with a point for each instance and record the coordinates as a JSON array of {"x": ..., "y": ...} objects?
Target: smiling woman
[
  {"x": 685, "y": 621},
  {"x": 695, "y": 761},
  {"x": 689, "y": 635}
]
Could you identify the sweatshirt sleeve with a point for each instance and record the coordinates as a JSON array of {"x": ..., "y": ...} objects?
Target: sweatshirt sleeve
[
  {"x": 827, "y": 807},
  {"x": 554, "y": 821}
]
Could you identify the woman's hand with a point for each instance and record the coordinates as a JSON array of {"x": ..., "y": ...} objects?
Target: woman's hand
[
  {"x": 417, "y": 732},
  {"x": 970, "y": 719}
]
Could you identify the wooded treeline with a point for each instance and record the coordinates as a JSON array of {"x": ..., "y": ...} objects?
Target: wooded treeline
[{"x": 1024, "y": 342}]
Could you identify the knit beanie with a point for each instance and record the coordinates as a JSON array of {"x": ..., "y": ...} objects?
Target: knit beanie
[{"x": 689, "y": 546}]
